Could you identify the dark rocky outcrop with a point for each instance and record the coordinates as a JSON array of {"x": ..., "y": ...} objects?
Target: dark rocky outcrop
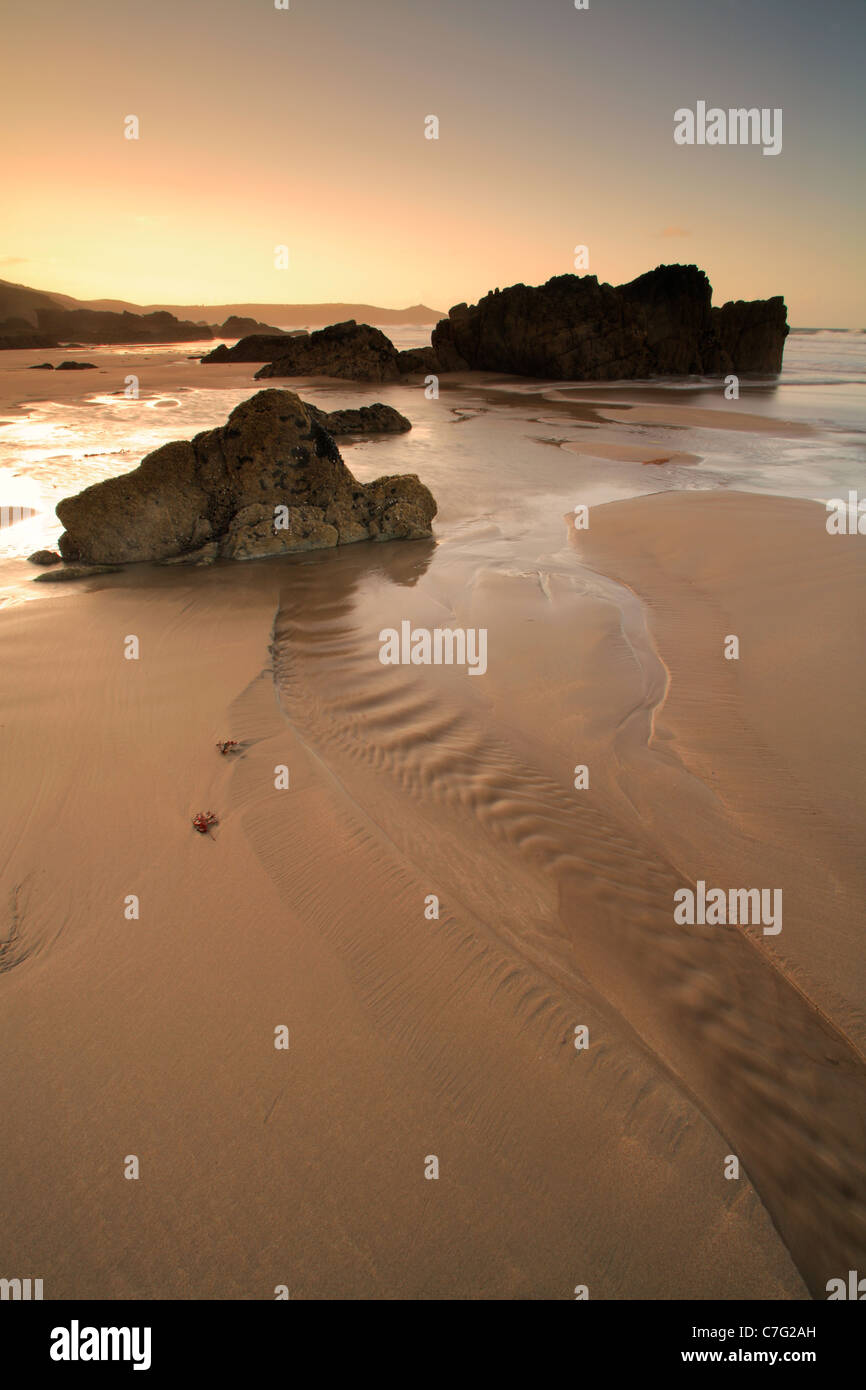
[
  {"x": 419, "y": 360},
  {"x": 236, "y": 326},
  {"x": 349, "y": 350},
  {"x": 105, "y": 326},
  {"x": 573, "y": 328},
  {"x": 224, "y": 487},
  {"x": 75, "y": 367},
  {"x": 44, "y": 557},
  {"x": 368, "y": 419},
  {"x": 752, "y": 334},
  {"x": 258, "y": 347},
  {"x": 42, "y": 367}
]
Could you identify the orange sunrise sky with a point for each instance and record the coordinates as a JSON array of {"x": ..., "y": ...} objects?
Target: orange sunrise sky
[{"x": 306, "y": 127}]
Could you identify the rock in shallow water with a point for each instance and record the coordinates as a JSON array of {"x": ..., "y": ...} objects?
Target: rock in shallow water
[
  {"x": 422, "y": 359},
  {"x": 353, "y": 350},
  {"x": 269, "y": 481},
  {"x": 368, "y": 419},
  {"x": 256, "y": 347}
]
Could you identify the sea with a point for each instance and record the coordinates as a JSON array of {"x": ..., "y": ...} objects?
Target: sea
[{"x": 810, "y": 439}]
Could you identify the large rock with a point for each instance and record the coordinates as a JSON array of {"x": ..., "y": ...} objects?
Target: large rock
[
  {"x": 225, "y": 487},
  {"x": 350, "y": 350},
  {"x": 419, "y": 360},
  {"x": 367, "y": 419},
  {"x": 345, "y": 349},
  {"x": 236, "y": 326},
  {"x": 573, "y": 328},
  {"x": 258, "y": 347}
]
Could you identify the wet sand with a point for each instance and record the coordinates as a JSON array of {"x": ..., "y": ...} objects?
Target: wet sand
[
  {"x": 21, "y": 383},
  {"x": 413, "y": 1037}
]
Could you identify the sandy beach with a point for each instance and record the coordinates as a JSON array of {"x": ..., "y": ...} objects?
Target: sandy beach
[
  {"x": 413, "y": 1037},
  {"x": 432, "y": 597},
  {"x": 21, "y": 383}
]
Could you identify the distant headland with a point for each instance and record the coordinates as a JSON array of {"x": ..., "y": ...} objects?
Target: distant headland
[{"x": 31, "y": 318}]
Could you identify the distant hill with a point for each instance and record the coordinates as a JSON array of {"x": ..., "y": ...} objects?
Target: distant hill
[
  {"x": 17, "y": 301},
  {"x": 20, "y": 301},
  {"x": 290, "y": 315}
]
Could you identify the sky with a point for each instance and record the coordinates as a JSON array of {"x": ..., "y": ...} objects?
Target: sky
[{"x": 305, "y": 128}]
